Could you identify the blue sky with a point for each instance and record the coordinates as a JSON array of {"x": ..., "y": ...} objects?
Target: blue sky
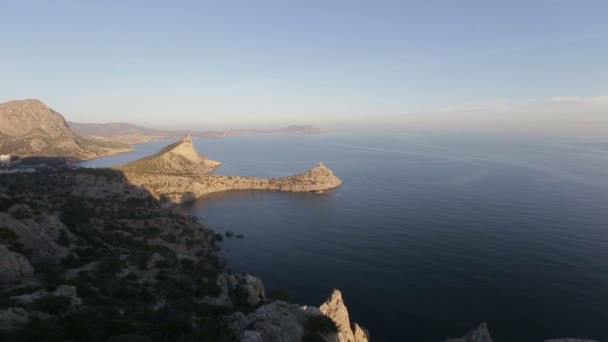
[{"x": 329, "y": 63}]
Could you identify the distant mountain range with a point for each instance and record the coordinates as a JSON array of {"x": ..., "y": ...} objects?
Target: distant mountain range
[
  {"x": 132, "y": 134},
  {"x": 30, "y": 128}
]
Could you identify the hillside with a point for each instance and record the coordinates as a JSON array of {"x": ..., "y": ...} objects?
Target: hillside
[
  {"x": 176, "y": 159},
  {"x": 30, "y": 128}
]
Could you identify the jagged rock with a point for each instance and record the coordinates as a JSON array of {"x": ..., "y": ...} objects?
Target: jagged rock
[
  {"x": 480, "y": 334},
  {"x": 244, "y": 287},
  {"x": 13, "y": 318},
  {"x": 61, "y": 291},
  {"x": 569, "y": 340},
  {"x": 14, "y": 267},
  {"x": 335, "y": 309}
]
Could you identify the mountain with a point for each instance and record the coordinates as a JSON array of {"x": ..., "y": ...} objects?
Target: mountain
[
  {"x": 133, "y": 134},
  {"x": 177, "y": 158},
  {"x": 303, "y": 129},
  {"x": 29, "y": 127}
]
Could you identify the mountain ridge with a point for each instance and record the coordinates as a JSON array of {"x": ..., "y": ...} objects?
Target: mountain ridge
[{"x": 31, "y": 128}]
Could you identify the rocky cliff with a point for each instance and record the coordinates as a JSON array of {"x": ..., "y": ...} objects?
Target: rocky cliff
[
  {"x": 179, "y": 158},
  {"x": 279, "y": 321},
  {"x": 29, "y": 127},
  {"x": 335, "y": 309},
  {"x": 179, "y": 174}
]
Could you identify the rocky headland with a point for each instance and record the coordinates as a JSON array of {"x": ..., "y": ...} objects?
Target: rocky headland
[
  {"x": 30, "y": 128},
  {"x": 179, "y": 174}
]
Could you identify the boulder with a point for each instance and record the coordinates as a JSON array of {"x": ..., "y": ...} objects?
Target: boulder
[
  {"x": 244, "y": 287},
  {"x": 14, "y": 267},
  {"x": 13, "y": 318}
]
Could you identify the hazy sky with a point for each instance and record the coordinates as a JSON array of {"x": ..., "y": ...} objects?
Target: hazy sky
[{"x": 514, "y": 64}]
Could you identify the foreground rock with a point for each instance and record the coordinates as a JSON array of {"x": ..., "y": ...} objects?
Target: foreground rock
[
  {"x": 30, "y": 128},
  {"x": 178, "y": 174},
  {"x": 284, "y": 322},
  {"x": 335, "y": 309}
]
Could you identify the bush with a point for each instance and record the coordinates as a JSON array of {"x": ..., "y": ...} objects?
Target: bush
[
  {"x": 7, "y": 235},
  {"x": 313, "y": 337},
  {"x": 320, "y": 324},
  {"x": 53, "y": 305}
]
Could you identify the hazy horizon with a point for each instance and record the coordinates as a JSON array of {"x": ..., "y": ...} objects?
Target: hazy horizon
[{"x": 471, "y": 65}]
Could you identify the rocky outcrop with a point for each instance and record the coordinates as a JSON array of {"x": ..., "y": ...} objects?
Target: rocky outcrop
[
  {"x": 480, "y": 334},
  {"x": 30, "y": 128},
  {"x": 275, "y": 322},
  {"x": 335, "y": 309},
  {"x": 243, "y": 287},
  {"x": 284, "y": 322},
  {"x": 179, "y": 158},
  {"x": 14, "y": 267},
  {"x": 37, "y": 235}
]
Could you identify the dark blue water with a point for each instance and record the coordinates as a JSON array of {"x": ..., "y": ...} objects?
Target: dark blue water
[{"x": 429, "y": 235}]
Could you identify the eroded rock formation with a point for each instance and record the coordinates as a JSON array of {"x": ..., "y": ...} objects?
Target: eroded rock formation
[{"x": 335, "y": 309}]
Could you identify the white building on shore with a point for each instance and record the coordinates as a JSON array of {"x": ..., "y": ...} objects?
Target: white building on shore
[{"x": 5, "y": 158}]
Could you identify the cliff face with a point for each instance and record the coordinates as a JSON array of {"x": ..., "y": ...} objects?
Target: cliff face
[
  {"x": 178, "y": 158},
  {"x": 179, "y": 174},
  {"x": 284, "y": 322},
  {"x": 335, "y": 309},
  {"x": 29, "y": 127}
]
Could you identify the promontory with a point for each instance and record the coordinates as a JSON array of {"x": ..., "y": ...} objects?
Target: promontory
[{"x": 179, "y": 174}]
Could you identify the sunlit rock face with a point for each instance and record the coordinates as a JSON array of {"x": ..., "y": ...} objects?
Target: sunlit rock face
[
  {"x": 335, "y": 309},
  {"x": 29, "y": 127},
  {"x": 179, "y": 158}
]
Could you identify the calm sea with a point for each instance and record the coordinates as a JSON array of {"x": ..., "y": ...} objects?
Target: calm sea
[{"x": 430, "y": 234}]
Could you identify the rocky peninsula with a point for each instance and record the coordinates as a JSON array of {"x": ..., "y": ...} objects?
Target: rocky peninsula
[{"x": 179, "y": 174}]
